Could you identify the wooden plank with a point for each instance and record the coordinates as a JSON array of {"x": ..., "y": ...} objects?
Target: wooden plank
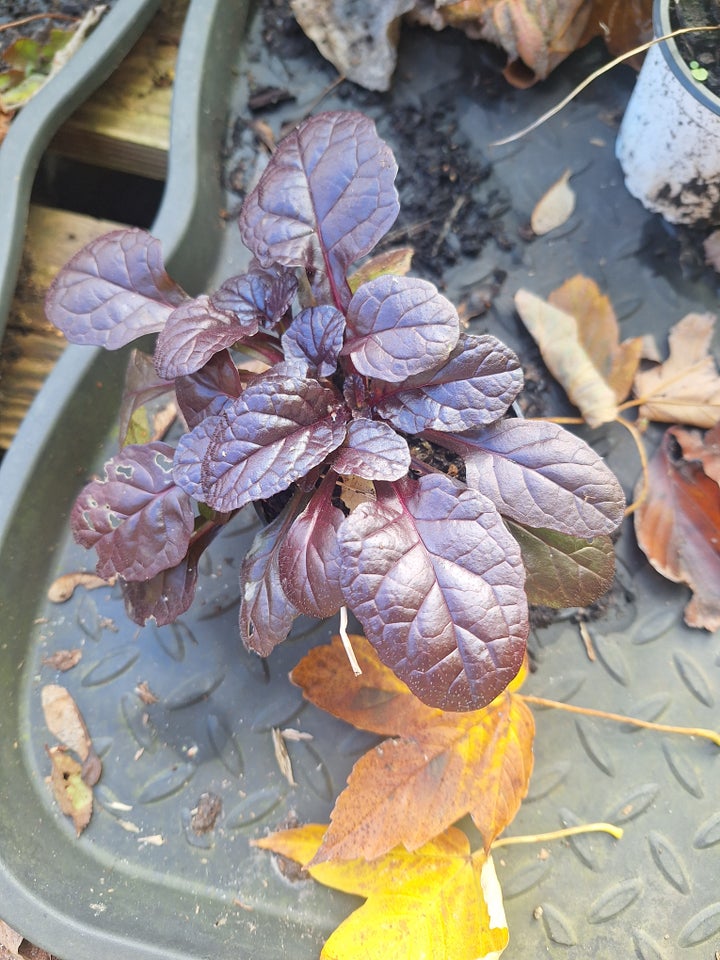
[
  {"x": 31, "y": 345},
  {"x": 125, "y": 125}
]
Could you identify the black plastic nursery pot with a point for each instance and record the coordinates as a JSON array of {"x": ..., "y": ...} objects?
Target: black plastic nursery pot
[
  {"x": 140, "y": 882},
  {"x": 36, "y": 123}
]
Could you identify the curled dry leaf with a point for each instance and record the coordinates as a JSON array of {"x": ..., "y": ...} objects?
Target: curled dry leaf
[
  {"x": 440, "y": 764},
  {"x": 64, "y": 720},
  {"x": 578, "y": 336},
  {"x": 555, "y": 207},
  {"x": 440, "y": 901},
  {"x": 678, "y": 524},
  {"x": 63, "y": 587},
  {"x": 686, "y": 387}
]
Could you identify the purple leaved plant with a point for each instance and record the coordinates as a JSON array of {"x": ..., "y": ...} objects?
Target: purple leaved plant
[{"x": 362, "y": 424}]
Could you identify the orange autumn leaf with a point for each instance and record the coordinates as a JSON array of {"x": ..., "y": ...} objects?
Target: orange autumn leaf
[
  {"x": 435, "y": 767},
  {"x": 439, "y": 902},
  {"x": 686, "y": 387},
  {"x": 678, "y": 524},
  {"x": 578, "y": 336}
]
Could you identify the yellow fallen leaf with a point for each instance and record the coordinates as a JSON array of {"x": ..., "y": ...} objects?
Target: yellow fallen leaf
[
  {"x": 555, "y": 206},
  {"x": 441, "y": 901},
  {"x": 686, "y": 387}
]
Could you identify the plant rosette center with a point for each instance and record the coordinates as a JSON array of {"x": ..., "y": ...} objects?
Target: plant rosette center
[{"x": 333, "y": 397}]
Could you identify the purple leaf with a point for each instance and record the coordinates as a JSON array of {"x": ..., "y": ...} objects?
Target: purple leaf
[
  {"x": 194, "y": 332},
  {"x": 373, "y": 451},
  {"x": 542, "y": 475},
  {"x": 113, "y": 291},
  {"x": 169, "y": 593},
  {"x": 144, "y": 391},
  {"x": 324, "y": 201},
  {"x": 274, "y": 433},
  {"x": 399, "y": 327},
  {"x": 436, "y": 580},
  {"x": 564, "y": 571},
  {"x": 474, "y": 387},
  {"x": 258, "y": 298},
  {"x": 266, "y": 614},
  {"x": 204, "y": 393},
  {"x": 190, "y": 453},
  {"x": 316, "y": 337},
  {"x": 310, "y": 555},
  {"x": 135, "y": 516}
]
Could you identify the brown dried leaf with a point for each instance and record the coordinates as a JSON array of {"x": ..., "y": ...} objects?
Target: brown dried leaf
[
  {"x": 64, "y": 587},
  {"x": 537, "y": 35},
  {"x": 555, "y": 207},
  {"x": 678, "y": 524},
  {"x": 440, "y": 765},
  {"x": 578, "y": 336},
  {"x": 145, "y": 693},
  {"x": 64, "y": 720},
  {"x": 73, "y": 795},
  {"x": 63, "y": 660},
  {"x": 362, "y": 48},
  {"x": 599, "y": 332},
  {"x": 686, "y": 387}
]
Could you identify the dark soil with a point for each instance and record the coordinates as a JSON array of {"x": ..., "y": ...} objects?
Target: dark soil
[
  {"x": 39, "y": 29},
  {"x": 701, "y": 48}
]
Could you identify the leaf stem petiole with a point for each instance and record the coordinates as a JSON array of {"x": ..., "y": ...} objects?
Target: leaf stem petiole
[{"x": 619, "y": 718}]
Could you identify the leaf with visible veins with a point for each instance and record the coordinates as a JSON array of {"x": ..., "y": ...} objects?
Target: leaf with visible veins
[
  {"x": 438, "y": 764},
  {"x": 437, "y": 581},
  {"x": 678, "y": 523},
  {"x": 439, "y": 902}
]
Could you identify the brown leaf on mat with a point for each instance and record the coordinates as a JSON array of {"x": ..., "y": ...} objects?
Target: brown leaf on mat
[
  {"x": 73, "y": 795},
  {"x": 64, "y": 721},
  {"x": 686, "y": 387},
  {"x": 362, "y": 48},
  {"x": 437, "y": 764},
  {"x": 555, "y": 207},
  {"x": 64, "y": 587},
  {"x": 578, "y": 336},
  {"x": 678, "y": 524},
  {"x": 537, "y": 35},
  {"x": 63, "y": 660}
]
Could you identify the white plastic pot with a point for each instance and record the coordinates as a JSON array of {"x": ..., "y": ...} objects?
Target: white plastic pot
[{"x": 669, "y": 140}]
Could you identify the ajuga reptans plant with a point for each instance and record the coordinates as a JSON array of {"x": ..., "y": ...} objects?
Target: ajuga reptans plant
[{"x": 315, "y": 392}]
